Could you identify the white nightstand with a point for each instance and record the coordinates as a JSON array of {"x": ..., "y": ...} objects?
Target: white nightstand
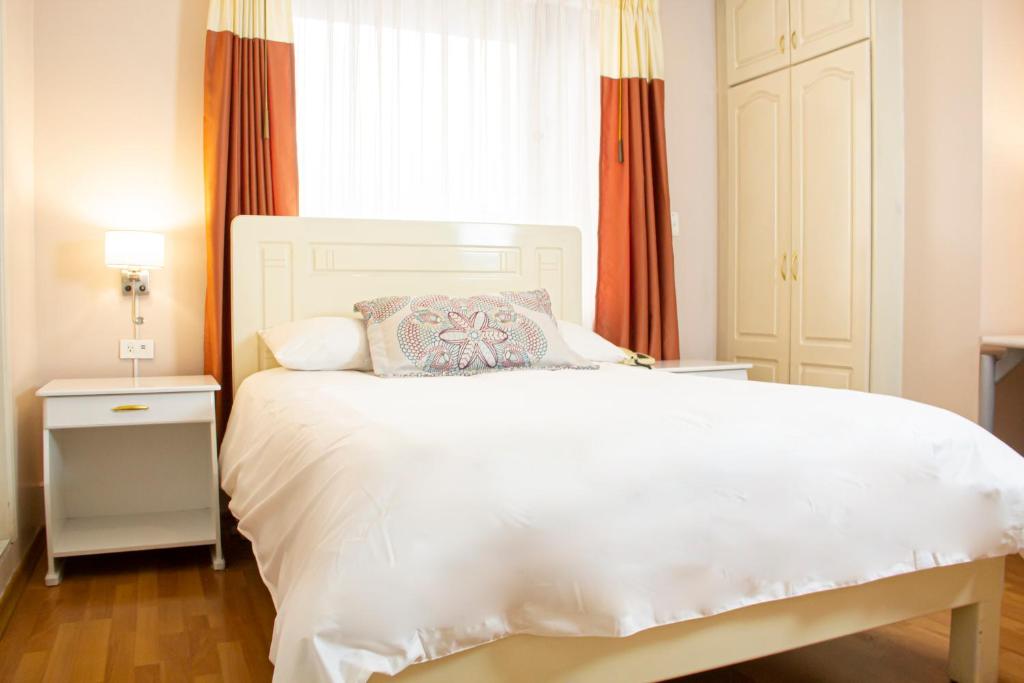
[
  {"x": 705, "y": 368},
  {"x": 129, "y": 464}
]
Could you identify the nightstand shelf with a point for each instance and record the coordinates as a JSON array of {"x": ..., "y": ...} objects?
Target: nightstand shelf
[
  {"x": 144, "y": 531},
  {"x": 129, "y": 465}
]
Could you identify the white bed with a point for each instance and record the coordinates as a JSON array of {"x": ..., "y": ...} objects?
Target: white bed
[{"x": 400, "y": 520}]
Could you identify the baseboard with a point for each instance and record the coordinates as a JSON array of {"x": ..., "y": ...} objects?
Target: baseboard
[{"x": 19, "y": 579}]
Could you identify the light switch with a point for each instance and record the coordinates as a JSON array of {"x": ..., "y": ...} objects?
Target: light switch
[{"x": 675, "y": 223}]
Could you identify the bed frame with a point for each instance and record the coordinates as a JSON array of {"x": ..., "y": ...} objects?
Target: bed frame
[{"x": 292, "y": 268}]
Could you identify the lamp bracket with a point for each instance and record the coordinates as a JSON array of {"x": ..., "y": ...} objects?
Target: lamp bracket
[{"x": 136, "y": 281}]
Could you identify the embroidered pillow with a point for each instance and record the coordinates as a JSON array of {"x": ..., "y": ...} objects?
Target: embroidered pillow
[{"x": 414, "y": 336}]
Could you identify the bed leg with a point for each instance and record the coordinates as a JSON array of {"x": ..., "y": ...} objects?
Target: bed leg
[{"x": 974, "y": 643}]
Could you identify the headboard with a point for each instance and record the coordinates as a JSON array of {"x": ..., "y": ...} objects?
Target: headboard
[{"x": 287, "y": 268}]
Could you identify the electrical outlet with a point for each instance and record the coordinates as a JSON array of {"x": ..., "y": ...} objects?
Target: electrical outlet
[
  {"x": 675, "y": 223},
  {"x": 136, "y": 348}
]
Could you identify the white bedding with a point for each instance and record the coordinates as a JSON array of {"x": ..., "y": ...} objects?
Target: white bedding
[{"x": 397, "y": 520}]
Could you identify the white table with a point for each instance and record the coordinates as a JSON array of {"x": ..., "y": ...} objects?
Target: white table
[
  {"x": 706, "y": 368},
  {"x": 999, "y": 355},
  {"x": 129, "y": 464}
]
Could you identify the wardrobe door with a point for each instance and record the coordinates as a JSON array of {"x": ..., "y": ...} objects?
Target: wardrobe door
[
  {"x": 830, "y": 267},
  {"x": 757, "y": 234},
  {"x": 756, "y": 38},
  {"x": 820, "y": 26}
]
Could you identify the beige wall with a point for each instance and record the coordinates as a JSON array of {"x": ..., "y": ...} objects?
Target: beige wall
[
  {"x": 965, "y": 205},
  {"x": 1002, "y": 283},
  {"x": 942, "y": 70},
  {"x": 1002, "y": 246},
  {"x": 21, "y": 442},
  {"x": 102, "y": 130},
  {"x": 688, "y": 28},
  {"x": 118, "y": 115}
]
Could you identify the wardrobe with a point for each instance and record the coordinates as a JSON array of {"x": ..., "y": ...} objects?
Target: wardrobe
[{"x": 795, "y": 231}]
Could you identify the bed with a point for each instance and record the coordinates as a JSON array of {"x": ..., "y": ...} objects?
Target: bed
[{"x": 605, "y": 525}]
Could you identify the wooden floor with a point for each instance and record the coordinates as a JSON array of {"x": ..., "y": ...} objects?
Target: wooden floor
[{"x": 166, "y": 616}]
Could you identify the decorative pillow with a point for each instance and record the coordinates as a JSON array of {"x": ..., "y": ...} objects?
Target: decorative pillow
[
  {"x": 589, "y": 344},
  {"x": 413, "y": 336},
  {"x": 320, "y": 344}
]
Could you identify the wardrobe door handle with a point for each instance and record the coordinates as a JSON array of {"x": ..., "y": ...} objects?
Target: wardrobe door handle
[
  {"x": 792, "y": 39},
  {"x": 782, "y": 266},
  {"x": 795, "y": 267},
  {"x": 782, "y": 43}
]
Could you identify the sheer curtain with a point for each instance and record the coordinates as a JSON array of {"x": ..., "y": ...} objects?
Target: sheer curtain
[{"x": 482, "y": 110}]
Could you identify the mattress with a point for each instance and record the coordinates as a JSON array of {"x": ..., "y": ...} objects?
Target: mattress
[{"x": 400, "y": 520}]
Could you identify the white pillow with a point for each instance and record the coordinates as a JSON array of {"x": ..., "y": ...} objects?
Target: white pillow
[
  {"x": 320, "y": 344},
  {"x": 588, "y": 344}
]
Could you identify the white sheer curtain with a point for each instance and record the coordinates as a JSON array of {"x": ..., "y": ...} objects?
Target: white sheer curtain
[{"x": 483, "y": 110}]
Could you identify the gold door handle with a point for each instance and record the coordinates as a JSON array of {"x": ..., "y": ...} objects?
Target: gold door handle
[
  {"x": 792, "y": 39},
  {"x": 795, "y": 267},
  {"x": 782, "y": 43},
  {"x": 782, "y": 266},
  {"x": 130, "y": 407}
]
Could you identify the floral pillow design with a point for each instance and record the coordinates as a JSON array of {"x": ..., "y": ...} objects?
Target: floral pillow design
[{"x": 442, "y": 335}]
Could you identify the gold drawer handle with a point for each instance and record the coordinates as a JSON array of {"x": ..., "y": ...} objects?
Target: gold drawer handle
[
  {"x": 782, "y": 266},
  {"x": 782, "y": 43},
  {"x": 130, "y": 407}
]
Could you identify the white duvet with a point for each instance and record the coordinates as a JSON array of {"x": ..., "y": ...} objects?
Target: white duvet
[{"x": 399, "y": 520}]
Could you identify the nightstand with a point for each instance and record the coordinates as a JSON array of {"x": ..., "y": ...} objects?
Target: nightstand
[
  {"x": 129, "y": 464},
  {"x": 705, "y": 368}
]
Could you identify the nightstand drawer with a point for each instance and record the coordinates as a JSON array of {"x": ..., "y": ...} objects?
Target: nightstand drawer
[{"x": 119, "y": 409}]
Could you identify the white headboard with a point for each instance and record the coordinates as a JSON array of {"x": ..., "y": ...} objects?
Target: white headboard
[{"x": 285, "y": 268}]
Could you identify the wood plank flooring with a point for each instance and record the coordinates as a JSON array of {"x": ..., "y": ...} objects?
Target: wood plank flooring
[{"x": 166, "y": 616}]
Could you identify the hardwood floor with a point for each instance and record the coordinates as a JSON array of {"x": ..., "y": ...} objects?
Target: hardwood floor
[
  {"x": 166, "y": 616},
  {"x": 154, "y": 616}
]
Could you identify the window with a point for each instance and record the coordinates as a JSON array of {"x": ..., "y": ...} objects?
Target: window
[{"x": 481, "y": 110}]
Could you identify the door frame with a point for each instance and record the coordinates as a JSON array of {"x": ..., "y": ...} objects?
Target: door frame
[
  {"x": 885, "y": 373},
  {"x": 8, "y": 472}
]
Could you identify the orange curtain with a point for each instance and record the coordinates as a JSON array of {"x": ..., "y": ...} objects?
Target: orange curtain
[
  {"x": 636, "y": 294},
  {"x": 249, "y": 148}
]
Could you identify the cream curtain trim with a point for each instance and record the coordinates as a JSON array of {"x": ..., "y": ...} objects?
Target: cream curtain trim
[
  {"x": 245, "y": 18},
  {"x": 640, "y": 39}
]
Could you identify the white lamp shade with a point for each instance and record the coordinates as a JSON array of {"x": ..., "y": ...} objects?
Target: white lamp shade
[{"x": 133, "y": 249}]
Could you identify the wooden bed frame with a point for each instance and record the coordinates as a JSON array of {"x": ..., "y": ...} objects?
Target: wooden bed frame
[{"x": 293, "y": 268}]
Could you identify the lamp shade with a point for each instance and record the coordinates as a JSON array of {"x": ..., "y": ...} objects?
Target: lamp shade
[{"x": 134, "y": 249}]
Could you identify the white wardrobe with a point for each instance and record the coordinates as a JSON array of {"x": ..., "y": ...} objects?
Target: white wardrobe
[{"x": 796, "y": 233}]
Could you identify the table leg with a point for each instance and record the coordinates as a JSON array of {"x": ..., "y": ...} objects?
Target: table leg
[
  {"x": 54, "y": 570},
  {"x": 217, "y": 557}
]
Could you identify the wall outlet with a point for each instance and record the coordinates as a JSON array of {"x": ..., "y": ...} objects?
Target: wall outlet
[
  {"x": 136, "y": 348},
  {"x": 675, "y": 223}
]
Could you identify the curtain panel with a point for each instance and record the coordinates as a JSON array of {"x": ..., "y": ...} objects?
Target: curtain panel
[
  {"x": 249, "y": 152},
  {"x": 456, "y": 110},
  {"x": 636, "y": 297}
]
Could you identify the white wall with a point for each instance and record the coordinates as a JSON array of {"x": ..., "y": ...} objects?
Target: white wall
[
  {"x": 23, "y": 425},
  {"x": 688, "y": 29},
  {"x": 1002, "y": 244},
  {"x": 964, "y": 179},
  {"x": 942, "y": 311},
  {"x": 1002, "y": 284},
  {"x": 102, "y": 130},
  {"x": 118, "y": 116}
]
